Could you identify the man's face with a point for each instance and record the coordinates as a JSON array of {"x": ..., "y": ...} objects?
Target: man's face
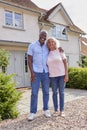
[{"x": 42, "y": 38}]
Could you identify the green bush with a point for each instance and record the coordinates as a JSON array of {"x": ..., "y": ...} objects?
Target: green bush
[
  {"x": 9, "y": 97},
  {"x": 77, "y": 78},
  {"x": 4, "y": 59}
]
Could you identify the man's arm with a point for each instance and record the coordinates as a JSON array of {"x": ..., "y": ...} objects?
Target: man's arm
[
  {"x": 30, "y": 64},
  {"x": 60, "y": 49}
]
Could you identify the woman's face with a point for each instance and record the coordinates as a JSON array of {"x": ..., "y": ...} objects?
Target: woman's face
[{"x": 51, "y": 44}]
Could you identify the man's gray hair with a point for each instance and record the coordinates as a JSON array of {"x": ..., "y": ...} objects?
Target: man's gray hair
[{"x": 43, "y": 31}]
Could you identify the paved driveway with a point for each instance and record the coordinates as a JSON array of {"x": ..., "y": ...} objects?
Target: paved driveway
[{"x": 24, "y": 103}]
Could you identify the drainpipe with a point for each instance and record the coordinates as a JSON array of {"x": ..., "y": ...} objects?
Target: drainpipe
[{"x": 79, "y": 43}]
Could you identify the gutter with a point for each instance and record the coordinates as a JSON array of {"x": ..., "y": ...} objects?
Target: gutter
[
  {"x": 79, "y": 43},
  {"x": 82, "y": 33},
  {"x": 46, "y": 24},
  {"x": 77, "y": 32},
  {"x": 17, "y": 43}
]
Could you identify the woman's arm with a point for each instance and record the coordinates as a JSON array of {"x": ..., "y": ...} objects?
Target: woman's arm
[{"x": 66, "y": 70}]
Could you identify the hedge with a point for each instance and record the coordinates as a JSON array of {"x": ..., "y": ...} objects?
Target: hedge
[
  {"x": 77, "y": 78},
  {"x": 9, "y": 97}
]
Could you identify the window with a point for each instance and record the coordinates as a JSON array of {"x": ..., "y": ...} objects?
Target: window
[
  {"x": 67, "y": 60},
  {"x": 59, "y": 32},
  {"x": 3, "y": 69},
  {"x": 8, "y": 18},
  {"x": 26, "y": 63},
  {"x": 13, "y": 19}
]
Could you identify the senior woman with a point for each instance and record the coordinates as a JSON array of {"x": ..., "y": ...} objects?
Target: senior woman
[{"x": 58, "y": 73}]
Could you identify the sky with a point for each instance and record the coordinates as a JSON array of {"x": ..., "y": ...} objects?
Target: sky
[{"x": 76, "y": 9}]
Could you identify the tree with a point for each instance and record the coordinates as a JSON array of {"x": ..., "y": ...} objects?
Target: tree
[
  {"x": 4, "y": 59},
  {"x": 84, "y": 61},
  {"x": 9, "y": 96}
]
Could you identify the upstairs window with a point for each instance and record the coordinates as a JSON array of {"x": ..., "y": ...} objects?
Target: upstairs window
[
  {"x": 59, "y": 32},
  {"x": 13, "y": 19}
]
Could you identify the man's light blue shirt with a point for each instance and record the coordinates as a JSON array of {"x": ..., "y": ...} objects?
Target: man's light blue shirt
[{"x": 40, "y": 55}]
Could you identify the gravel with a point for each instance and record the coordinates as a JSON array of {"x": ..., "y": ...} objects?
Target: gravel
[{"x": 75, "y": 119}]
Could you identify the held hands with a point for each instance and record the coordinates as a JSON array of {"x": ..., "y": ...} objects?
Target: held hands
[
  {"x": 60, "y": 49},
  {"x": 66, "y": 78},
  {"x": 32, "y": 76}
]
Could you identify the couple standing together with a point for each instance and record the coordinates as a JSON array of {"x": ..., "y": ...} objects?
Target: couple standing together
[{"x": 47, "y": 62}]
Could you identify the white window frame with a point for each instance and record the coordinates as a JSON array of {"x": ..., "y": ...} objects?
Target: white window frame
[
  {"x": 26, "y": 63},
  {"x": 60, "y": 32},
  {"x": 67, "y": 60},
  {"x": 15, "y": 22}
]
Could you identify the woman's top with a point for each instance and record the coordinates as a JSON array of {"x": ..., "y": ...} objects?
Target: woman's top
[{"x": 55, "y": 63}]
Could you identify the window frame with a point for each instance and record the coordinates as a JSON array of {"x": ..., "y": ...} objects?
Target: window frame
[
  {"x": 57, "y": 32},
  {"x": 67, "y": 57},
  {"x": 14, "y": 19}
]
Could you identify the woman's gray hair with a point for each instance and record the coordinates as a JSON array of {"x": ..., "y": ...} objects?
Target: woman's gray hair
[{"x": 57, "y": 43}]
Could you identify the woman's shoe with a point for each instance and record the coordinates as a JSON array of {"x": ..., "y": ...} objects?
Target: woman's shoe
[{"x": 62, "y": 114}]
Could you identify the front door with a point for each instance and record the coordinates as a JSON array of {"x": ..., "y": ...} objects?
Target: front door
[{"x": 17, "y": 66}]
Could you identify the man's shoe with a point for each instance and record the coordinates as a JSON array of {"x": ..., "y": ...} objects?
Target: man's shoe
[
  {"x": 31, "y": 116},
  {"x": 47, "y": 113}
]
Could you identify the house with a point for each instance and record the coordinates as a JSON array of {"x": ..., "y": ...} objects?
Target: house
[
  {"x": 20, "y": 23},
  {"x": 84, "y": 46}
]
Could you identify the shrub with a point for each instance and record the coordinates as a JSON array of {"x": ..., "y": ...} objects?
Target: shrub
[
  {"x": 9, "y": 97},
  {"x": 77, "y": 78},
  {"x": 4, "y": 59},
  {"x": 84, "y": 61}
]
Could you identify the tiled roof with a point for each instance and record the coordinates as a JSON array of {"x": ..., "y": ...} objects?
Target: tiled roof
[
  {"x": 84, "y": 39},
  {"x": 26, "y": 3},
  {"x": 50, "y": 11},
  {"x": 76, "y": 29},
  {"x": 84, "y": 46}
]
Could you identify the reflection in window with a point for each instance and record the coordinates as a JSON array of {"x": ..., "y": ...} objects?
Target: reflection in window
[
  {"x": 64, "y": 31},
  {"x": 8, "y": 18},
  {"x": 18, "y": 20},
  {"x": 26, "y": 63}
]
